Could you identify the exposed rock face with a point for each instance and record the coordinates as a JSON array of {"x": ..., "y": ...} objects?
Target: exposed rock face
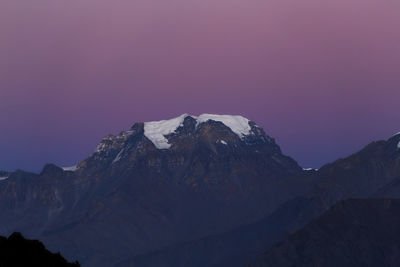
[
  {"x": 16, "y": 251},
  {"x": 131, "y": 197},
  {"x": 363, "y": 232}
]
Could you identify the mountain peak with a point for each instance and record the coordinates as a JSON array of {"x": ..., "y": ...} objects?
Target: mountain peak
[
  {"x": 164, "y": 140},
  {"x": 156, "y": 131}
]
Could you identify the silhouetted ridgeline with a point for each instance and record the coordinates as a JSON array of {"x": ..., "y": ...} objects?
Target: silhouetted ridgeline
[{"x": 16, "y": 251}]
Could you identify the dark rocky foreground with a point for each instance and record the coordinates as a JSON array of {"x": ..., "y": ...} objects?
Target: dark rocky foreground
[
  {"x": 16, "y": 251},
  {"x": 356, "y": 232}
]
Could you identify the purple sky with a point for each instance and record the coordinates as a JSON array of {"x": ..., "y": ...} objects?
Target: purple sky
[{"x": 322, "y": 77}]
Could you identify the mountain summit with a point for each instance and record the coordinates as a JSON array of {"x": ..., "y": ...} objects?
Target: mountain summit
[
  {"x": 158, "y": 131},
  {"x": 186, "y": 134}
]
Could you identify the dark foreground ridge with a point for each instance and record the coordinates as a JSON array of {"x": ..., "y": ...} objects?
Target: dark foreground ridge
[
  {"x": 355, "y": 232},
  {"x": 16, "y": 251}
]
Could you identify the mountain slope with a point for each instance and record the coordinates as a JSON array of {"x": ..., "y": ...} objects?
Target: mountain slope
[
  {"x": 372, "y": 172},
  {"x": 232, "y": 248},
  {"x": 362, "y": 232},
  {"x": 157, "y": 184},
  {"x": 376, "y": 168}
]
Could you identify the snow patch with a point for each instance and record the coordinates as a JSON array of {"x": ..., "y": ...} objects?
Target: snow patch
[
  {"x": 309, "y": 169},
  {"x": 3, "y": 178},
  {"x": 223, "y": 142},
  {"x": 156, "y": 131},
  {"x": 118, "y": 157},
  {"x": 238, "y": 124},
  {"x": 70, "y": 169}
]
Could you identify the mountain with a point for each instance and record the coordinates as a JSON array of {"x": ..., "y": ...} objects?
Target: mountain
[
  {"x": 355, "y": 232},
  {"x": 373, "y": 171},
  {"x": 212, "y": 190},
  {"x": 153, "y": 186},
  {"x": 362, "y": 174},
  {"x": 16, "y": 251}
]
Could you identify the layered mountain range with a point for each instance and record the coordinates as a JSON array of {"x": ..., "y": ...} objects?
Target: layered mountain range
[
  {"x": 208, "y": 190},
  {"x": 157, "y": 184},
  {"x": 354, "y": 232}
]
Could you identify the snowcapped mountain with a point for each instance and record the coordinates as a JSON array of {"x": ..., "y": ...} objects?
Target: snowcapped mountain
[
  {"x": 176, "y": 133},
  {"x": 208, "y": 187},
  {"x": 156, "y": 184},
  {"x": 172, "y": 143},
  {"x": 157, "y": 131}
]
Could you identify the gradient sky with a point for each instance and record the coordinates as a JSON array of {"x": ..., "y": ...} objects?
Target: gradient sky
[{"x": 322, "y": 77}]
